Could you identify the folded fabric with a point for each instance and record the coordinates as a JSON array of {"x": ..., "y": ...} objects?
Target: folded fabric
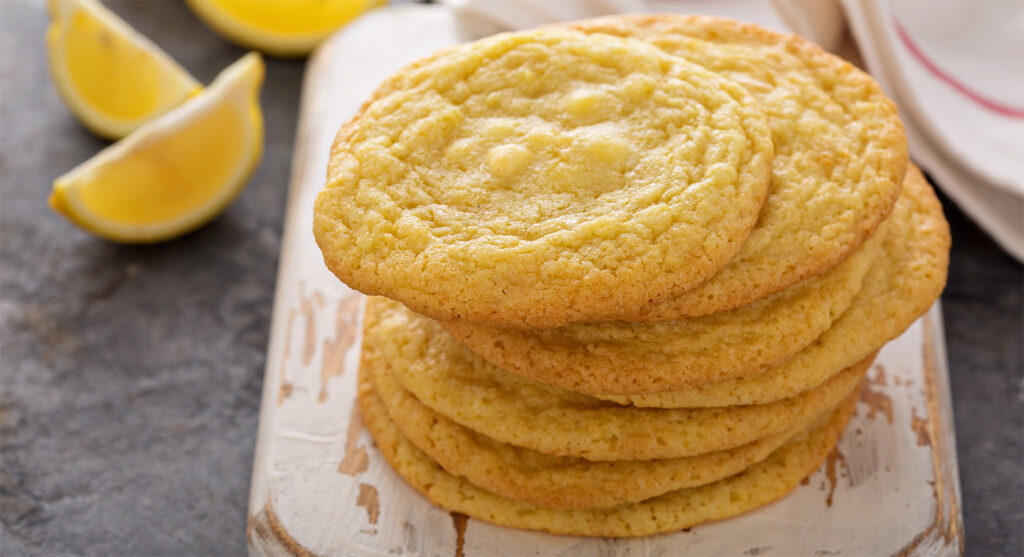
[{"x": 484, "y": 17}]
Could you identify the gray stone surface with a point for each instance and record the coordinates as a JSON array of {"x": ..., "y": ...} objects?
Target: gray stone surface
[
  {"x": 130, "y": 376},
  {"x": 984, "y": 321}
]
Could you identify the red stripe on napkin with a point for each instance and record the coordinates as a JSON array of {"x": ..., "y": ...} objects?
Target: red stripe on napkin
[{"x": 966, "y": 91}]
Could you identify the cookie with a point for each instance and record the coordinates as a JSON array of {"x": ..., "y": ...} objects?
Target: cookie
[
  {"x": 535, "y": 179},
  {"x": 840, "y": 152},
  {"x": 619, "y": 357},
  {"x": 461, "y": 386},
  {"x": 550, "y": 481},
  {"x": 906, "y": 278},
  {"x": 758, "y": 485}
]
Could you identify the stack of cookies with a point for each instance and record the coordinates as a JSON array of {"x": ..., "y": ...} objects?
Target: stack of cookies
[{"x": 634, "y": 268}]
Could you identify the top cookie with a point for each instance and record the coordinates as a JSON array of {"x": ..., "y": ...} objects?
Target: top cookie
[
  {"x": 536, "y": 179},
  {"x": 840, "y": 152}
]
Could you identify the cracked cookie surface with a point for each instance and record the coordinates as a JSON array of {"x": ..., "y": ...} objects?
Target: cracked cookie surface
[
  {"x": 622, "y": 358},
  {"x": 758, "y": 485},
  {"x": 463, "y": 387},
  {"x": 904, "y": 281},
  {"x": 552, "y": 481},
  {"x": 535, "y": 179},
  {"x": 840, "y": 152}
]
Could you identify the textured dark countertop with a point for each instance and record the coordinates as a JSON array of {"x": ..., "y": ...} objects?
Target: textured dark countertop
[{"x": 130, "y": 376}]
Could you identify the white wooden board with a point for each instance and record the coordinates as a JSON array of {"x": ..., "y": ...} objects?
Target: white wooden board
[{"x": 320, "y": 487}]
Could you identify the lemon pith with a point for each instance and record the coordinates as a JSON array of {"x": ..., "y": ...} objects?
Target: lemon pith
[
  {"x": 111, "y": 77},
  {"x": 175, "y": 173},
  {"x": 290, "y": 28}
]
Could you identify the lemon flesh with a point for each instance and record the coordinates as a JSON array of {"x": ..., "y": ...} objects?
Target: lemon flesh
[
  {"x": 111, "y": 77},
  {"x": 291, "y": 28},
  {"x": 175, "y": 173}
]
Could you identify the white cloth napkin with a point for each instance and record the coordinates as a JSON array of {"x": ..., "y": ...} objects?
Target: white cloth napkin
[
  {"x": 484, "y": 17},
  {"x": 955, "y": 68}
]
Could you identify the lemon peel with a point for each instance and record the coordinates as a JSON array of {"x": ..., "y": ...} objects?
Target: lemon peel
[
  {"x": 112, "y": 78},
  {"x": 283, "y": 29},
  {"x": 176, "y": 173}
]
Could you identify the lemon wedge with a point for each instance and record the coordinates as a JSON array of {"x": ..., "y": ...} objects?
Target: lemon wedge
[
  {"x": 175, "y": 173},
  {"x": 110, "y": 76},
  {"x": 279, "y": 28}
]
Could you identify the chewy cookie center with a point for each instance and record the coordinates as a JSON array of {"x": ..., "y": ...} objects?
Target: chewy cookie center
[
  {"x": 543, "y": 135},
  {"x": 544, "y": 169}
]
